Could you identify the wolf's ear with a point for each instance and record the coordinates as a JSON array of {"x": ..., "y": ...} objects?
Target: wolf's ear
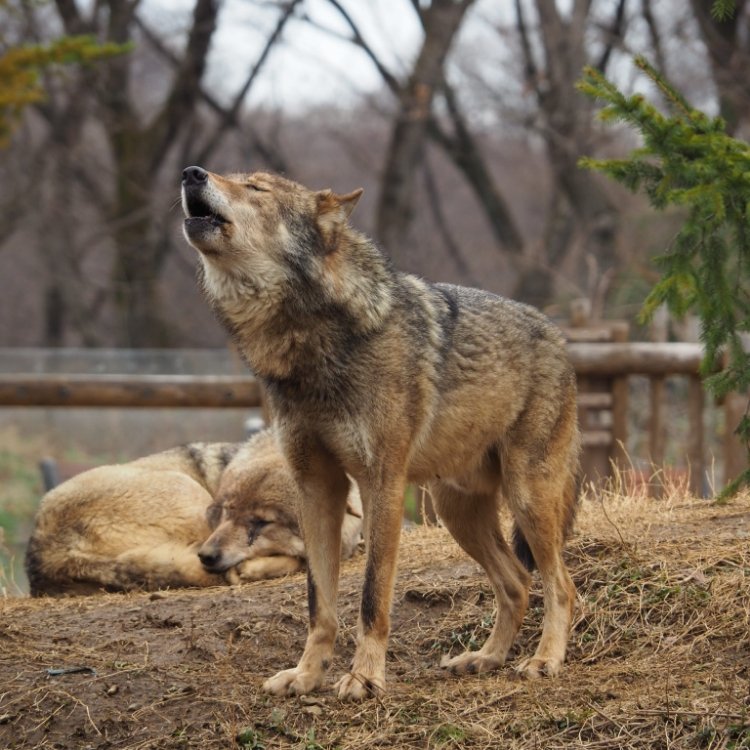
[
  {"x": 333, "y": 211},
  {"x": 329, "y": 202},
  {"x": 349, "y": 201}
]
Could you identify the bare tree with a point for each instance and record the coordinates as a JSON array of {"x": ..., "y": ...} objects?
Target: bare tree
[
  {"x": 109, "y": 150},
  {"x": 582, "y": 225},
  {"x": 405, "y": 154},
  {"x": 415, "y": 119},
  {"x": 140, "y": 145},
  {"x": 728, "y": 44},
  {"x": 581, "y": 229}
]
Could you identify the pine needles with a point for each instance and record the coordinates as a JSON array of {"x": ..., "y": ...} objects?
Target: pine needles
[{"x": 688, "y": 160}]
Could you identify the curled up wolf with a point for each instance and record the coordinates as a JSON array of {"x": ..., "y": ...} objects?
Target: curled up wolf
[
  {"x": 387, "y": 378},
  {"x": 203, "y": 514}
]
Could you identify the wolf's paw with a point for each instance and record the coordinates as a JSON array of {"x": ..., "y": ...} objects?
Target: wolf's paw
[
  {"x": 357, "y": 687},
  {"x": 292, "y": 682},
  {"x": 471, "y": 662},
  {"x": 537, "y": 666},
  {"x": 232, "y": 577}
]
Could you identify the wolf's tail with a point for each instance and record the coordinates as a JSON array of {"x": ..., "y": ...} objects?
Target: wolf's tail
[
  {"x": 521, "y": 547},
  {"x": 522, "y": 550}
]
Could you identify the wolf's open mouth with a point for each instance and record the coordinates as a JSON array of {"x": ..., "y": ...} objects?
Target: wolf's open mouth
[{"x": 197, "y": 208}]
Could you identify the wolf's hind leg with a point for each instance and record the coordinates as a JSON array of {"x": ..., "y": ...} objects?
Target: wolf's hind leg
[
  {"x": 473, "y": 521},
  {"x": 541, "y": 508}
]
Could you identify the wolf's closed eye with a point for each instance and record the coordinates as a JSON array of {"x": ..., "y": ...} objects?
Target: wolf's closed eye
[
  {"x": 255, "y": 528},
  {"x": 213, "y": 515}
]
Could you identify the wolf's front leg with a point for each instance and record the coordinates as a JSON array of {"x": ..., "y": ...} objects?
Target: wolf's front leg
[
  {"x": 384, "y": 516},
  {"x": 323, "y": 505}
]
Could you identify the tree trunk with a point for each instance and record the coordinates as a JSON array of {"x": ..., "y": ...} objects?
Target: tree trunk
[
  {"x": 139, "y": 256},
  {"x": 729, "y": 52},
  {"x": 583, "y": 221},
  {"x": 136, "y": 276},
  {"x": 138, "y": 152},
  {"x": 405, "y": 153}
]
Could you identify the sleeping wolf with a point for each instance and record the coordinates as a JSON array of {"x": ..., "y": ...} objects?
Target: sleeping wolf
[
  {"x": 148, "y": 524},
  {"x": 385, "y": 377}
]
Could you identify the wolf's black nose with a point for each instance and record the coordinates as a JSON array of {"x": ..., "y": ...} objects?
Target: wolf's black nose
[
  {"x": 194, "y": 176},
  {"x": 209, "y": 559}
]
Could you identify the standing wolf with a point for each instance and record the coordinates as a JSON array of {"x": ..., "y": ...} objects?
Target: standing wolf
[{"x": 385, "y": 377}]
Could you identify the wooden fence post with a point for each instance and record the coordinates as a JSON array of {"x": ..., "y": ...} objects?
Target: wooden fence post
[
  {"x": 695, "y": 453},
  {"x": 735, "y": 450},
  {"x": 620, "y": 402},
  {"x": 656, "y": 433},
  {"x": 602, "y": 396}
]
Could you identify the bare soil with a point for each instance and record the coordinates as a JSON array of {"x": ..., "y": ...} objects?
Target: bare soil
[{"x": 659, "y": 656}]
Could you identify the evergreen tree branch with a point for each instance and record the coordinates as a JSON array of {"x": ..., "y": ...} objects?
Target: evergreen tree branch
[{"x": 687, "y": 159}]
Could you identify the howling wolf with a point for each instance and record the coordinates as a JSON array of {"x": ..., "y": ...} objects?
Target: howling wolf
[{"x": 384, "y": 377}]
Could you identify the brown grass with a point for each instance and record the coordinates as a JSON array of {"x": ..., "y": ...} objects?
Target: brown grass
[{"x": 659, "y": 656}]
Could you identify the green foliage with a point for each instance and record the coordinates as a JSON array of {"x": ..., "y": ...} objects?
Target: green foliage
[
  {"x": 248, "y": 738},
  {"x": 20, "y": 490},
  {"x": 21, "y": 69},
  {"x": 722, "y": 10},
  {"x": 688, "y": 160},
  {"x": 450, "y": 734}
]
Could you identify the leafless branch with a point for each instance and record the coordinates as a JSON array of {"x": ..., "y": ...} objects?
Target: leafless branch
[
  {"x": 613, "y": 35},
  {"x": 467, "y": 156},
  {"x": 230, "y": 116},
  {"x": 390, "y": 80},
  {"x": 531, "y": 71},
  {"x": 436, "y": 206},
  {"x": 655, "y": 36},
  {"x": 270, "y": 155}
]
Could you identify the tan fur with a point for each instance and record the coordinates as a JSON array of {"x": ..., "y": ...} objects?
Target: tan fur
[
  {"x": 142, "y": 525},
  {"x": 387, "y": 378},
  {"x": 270, "y": 526}
]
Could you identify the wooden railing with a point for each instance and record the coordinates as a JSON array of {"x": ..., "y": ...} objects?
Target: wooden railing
[
  {"x": 612, "y": 364},
  {"x": 140, "y": 391},
  {"x": 603, "y": 370}
]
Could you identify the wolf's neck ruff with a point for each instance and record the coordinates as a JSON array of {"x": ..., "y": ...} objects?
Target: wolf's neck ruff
[{"x": 301, "y": 316}]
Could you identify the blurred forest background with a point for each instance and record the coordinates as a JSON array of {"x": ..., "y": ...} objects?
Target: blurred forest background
[{"x": 458, "y": 117}]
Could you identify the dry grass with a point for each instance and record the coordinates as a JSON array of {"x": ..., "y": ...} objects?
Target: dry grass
[{"x": 659, "y": 656}]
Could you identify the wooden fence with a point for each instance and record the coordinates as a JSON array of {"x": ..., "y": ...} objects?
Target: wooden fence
[{"x": 603, "y": 371}]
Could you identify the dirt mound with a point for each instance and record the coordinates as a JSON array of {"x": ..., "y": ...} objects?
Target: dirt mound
[{"x": 659, "y": 657}]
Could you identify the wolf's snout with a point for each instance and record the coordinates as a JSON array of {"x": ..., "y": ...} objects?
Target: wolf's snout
[
  {"x": 209, "y": 558},
  {"x": 194, "y": 176}
]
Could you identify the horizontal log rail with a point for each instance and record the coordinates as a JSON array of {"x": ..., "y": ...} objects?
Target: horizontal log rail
[
  {"x": 141, "y": 391},
  {"x": 636, "y": 358},
  {"x": 243, "y": 391},
  {"x": 601, "y": 362}
]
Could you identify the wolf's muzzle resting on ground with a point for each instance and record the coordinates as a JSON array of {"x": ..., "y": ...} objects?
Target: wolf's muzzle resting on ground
[{"x": 387, "y": 378}]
